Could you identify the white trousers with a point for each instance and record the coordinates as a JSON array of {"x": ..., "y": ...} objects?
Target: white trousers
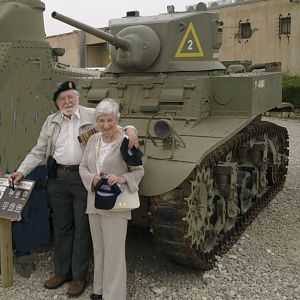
[{"x": 109, "y": 238}]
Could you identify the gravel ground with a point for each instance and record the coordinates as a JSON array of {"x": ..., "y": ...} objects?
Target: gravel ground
[{"x": 263, "y": 264}]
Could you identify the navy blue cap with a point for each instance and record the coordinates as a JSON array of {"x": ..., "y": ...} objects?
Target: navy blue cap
[
  {"x": 105, "y": 195},
  {"x": 65, "y": 86},
  {"x": 132, "y": 157}
]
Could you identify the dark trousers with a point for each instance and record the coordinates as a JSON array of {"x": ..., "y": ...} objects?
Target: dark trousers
[{"x": 72, "y": 238}]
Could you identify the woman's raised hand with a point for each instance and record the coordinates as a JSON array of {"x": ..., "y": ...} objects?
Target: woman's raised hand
[{"x": 112, "y": 179}]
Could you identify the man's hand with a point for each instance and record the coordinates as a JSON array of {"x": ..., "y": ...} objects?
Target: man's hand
[
  {"x": 16, "y": 177},
  {"x": 133, "y": 138}
]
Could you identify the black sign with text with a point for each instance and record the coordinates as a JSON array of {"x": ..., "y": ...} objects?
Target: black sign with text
[{"x": 14, "y": 198}]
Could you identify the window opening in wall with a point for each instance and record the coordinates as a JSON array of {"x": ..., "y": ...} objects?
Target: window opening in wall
[
  {"x": 285, "y": 25},
  {"x": 245, "y": 31}
]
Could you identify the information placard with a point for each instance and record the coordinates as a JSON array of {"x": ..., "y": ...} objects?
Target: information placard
[{"x": 13, "y": 199}]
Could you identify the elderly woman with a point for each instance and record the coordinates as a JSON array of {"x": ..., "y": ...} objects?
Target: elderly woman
[{"x": 108, "y": 228}]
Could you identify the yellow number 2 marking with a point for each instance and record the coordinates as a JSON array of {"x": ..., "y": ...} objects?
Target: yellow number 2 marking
[{"x": 190, "y": 45}]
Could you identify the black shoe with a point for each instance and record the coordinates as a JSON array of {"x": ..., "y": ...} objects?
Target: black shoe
[{"x": 95, "y": 296}]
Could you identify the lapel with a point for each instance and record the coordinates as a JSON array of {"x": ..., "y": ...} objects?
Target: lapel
[
  {"x": 85, "y": 118},
  {"x": 56, "y": 120},
  {"x": 97, "y": 151}
]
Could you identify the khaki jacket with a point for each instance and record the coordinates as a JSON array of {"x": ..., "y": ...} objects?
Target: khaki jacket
[
  {"x": 113, "y": 164},
  {"x": 48, "y": 136}
]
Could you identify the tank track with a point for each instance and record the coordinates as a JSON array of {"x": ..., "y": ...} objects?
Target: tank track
[{"x": 168, "y": 212}]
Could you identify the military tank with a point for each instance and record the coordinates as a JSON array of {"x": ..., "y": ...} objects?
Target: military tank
[
  {"x": 211, "y": 163},
  {"x": 29, "y": 73}
]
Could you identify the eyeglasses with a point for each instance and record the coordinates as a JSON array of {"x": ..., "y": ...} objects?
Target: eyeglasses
[{"x": 67, "y": 98}]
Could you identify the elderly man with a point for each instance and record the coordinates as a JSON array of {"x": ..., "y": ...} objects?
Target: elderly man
[{"x": 59, "y": 142}]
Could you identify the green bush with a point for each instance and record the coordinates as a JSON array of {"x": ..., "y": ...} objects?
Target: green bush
[{"x": 291, "y": 89}]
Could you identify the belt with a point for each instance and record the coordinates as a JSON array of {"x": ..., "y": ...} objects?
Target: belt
[{"x": 69, "y": 168}]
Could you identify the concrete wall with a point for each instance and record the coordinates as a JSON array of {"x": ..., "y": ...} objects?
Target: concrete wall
[
  {"x": 265, "y": 45},
  {"x": 97, "y": 55},
  {"x": 96, "y": 52}
]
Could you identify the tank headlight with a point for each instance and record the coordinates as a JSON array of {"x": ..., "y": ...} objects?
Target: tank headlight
[{"x": 163, "y": 128}]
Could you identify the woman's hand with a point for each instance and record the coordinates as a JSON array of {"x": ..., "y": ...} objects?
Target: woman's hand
[
  {"x": 112, "y": 179},
  {"x": 96, "y": 179}
]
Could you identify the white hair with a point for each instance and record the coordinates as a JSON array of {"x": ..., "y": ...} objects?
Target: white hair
[{"x": 108, "y": 106}]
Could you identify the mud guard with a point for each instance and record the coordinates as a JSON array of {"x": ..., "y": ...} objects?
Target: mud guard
[{"x": 171, "y": 173}]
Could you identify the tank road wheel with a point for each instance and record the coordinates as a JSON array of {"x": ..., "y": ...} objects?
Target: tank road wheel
[
  {"x": 200, "y": 209},
  {"x": 278, "y": 161},
  {"x": 206, "y": 211}
]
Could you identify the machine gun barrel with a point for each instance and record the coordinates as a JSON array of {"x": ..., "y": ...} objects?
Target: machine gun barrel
[{"x": 110, "y": 38}]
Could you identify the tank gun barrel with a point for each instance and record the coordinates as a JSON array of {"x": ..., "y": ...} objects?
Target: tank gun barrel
[{"x": 110, "y": 38}]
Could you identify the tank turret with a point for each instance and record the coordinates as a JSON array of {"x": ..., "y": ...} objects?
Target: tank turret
[
  {"x": 25, "y": 14},
  {"x": 134, "y": 48},
  {"x": 185, "y": 41}
]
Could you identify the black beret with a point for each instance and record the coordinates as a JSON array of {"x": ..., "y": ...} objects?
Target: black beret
[
  {"x": 132, "y": 157},
  {"x": 105, "y": 195},
  {"x": 65, "y": 86}
]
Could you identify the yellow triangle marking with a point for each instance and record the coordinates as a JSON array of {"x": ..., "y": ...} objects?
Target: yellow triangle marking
[{"x": 190, "y": 42}]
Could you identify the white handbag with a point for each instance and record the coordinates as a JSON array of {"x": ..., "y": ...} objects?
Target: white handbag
[{"x": 127, "y": 201}]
